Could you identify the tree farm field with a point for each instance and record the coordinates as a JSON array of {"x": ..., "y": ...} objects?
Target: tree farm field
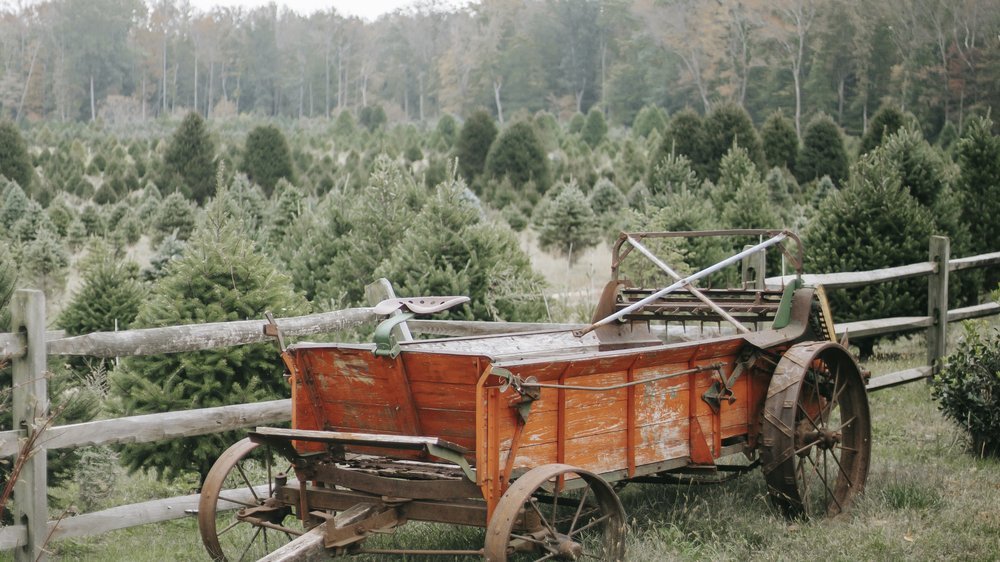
[{"x": 926, "y": 499}]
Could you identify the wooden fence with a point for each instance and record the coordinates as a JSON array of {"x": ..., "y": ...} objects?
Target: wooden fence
[{"x": 29, "y": 346}]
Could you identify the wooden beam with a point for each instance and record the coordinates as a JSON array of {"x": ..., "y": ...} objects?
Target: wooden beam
[
  {"x": 937, "y": 302},
  {"x": 898, "y": 378},
  {"x": 156, "y": 427},
  {"x": 196, "y": 337},
  {"x": 30, "y": 408},
  {"x": 13, "y": 536},
  {"x": 977, "y": 311},
  {"x": 11, "y": 346},
  {"x": 857, "y": 278},
  {"x": 981, "y": 260},
  {"x": 306, "y": 548},
  {"x": 881, "y": 326}
]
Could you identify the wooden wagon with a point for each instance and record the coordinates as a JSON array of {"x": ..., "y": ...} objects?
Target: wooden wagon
[{"x": 528, "y": 434}]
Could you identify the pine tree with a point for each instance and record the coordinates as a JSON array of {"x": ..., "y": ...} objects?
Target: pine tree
[
  {"x": 517, "y": 155},
  {"x": 726, "y": 125},
  {"x": 823, "y": 152},
  {"x": 978, "y": 155},
  {"x": 742, "y": 194},
  {"x": 673, "y": 174},
  {"x": 222, "y": 276},
  {"x": 46, "y": 263},
  {"x": 110, "y": 296},
  {"x": 15, "y": 164},
  {"x": 8, "y": 282},
  {"x": 266, "y": 158},
  {"x": 595, "y": 129},
  {"x": 344, "y": 125},
  {"x": 189, "y": 161},
  {"x": 14, "y": 203},
  {"x": 685, "y": 136},
  {"x": 568, "y": 224},
  {"x": 780, "y": 142},
  {"x": 650, "y": 118},
  {"x": 872, "y": 223},
  {"x": 451, "y": 250},
  {"x": 175, "y": 216},
  {"x": 605, "y": 198},
  {"x": 447, "y": 130},
  {"x": 886, "y": 121},
  {"x": 474, "y": 141}
]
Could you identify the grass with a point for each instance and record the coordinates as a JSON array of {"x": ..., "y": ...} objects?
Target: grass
[{"x": 926, "y": 499}]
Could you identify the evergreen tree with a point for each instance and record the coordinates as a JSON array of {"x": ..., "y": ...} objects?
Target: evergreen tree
[
  {"x": 266, "y": 158},
  {"x": 46, "y": 263},
  {"x": 726, "y": 125},
  {"x": 978, "y": 155},
  {"x": 650, "y": 118},
  {"x": 14, "y": 203},
  {"x": 451, "y": 250},
  {"x": 568, "y": 223},
  {"x": 372, "y": 117},
  {"x": 673, "y": 174},
  {"x": 175, "y": 216},
  {"x": 189, "y": 161},
  {"x": 872, "y": 223},
  {"x": 447, "y": 130},
  {"x": 780, "y": 142},
  {"x": 8, "y": 282},
  {"x": 595, "y": 129},
  {"x": 823, "y": 152},
  {"x": 474, "y": 141},
  {"x": 344, "y": 125},
  {"x": 886, "y": 121},
  {"x": 517, "y": 155},
  {"x": 110, "y": 296},
  {"x": 605, "y": 198},
  {"x": 221, "y": 277},
  {"x": 685, "y": 136},
  {"x": 15, "y": 164}
]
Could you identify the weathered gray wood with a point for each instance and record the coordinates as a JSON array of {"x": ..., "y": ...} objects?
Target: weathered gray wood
[
  {"x": 11, "y": 346},
  {"x": 194, "y": 337},
  {"x": 13, "y": 536},
  {"x": 307, "y": 548},
  {"x": 857, "y": 278},
  {"x": 898, "y": 378},
  {"x": 981, "y": 260},
  {"x": 479, "y": 328},
  {"x": 156, "y": 427},
  {"x": 977, "y": 311},
  {"x": 30, "y": 412},
  {"x": 881, "y": 326},
  {"x": 937, "y": 302}
]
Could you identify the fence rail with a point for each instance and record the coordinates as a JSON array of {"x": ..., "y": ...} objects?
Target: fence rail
[{"x": 28, "y": 347}]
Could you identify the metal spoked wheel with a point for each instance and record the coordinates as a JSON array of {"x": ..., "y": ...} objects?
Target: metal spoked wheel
[
  {"x": 816, "y": 431},
  {"x": 238, "y": 518},
  {"x": 536, "y": 520}
]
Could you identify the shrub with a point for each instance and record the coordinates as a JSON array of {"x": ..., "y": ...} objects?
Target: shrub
[
  {"x": 266, "y": 158},
  {"x": 968, "y": 388},
  {"x": 474, "y": 141}
]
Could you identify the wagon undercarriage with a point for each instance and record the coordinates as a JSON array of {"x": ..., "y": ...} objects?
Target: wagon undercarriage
[{"x": 523, "y": 434}]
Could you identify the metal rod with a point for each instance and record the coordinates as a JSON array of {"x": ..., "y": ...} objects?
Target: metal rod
[
  {"x": 421, "y": 552},
  {"x": 687, "y": 280},
  {"x": 689, "y": 287}
]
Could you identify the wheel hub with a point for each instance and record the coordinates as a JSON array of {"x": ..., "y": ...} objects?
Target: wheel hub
[{"x": 566, "y": 548}]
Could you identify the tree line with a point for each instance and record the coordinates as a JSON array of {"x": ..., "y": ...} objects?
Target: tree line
[{"x": 124, "y": 60}]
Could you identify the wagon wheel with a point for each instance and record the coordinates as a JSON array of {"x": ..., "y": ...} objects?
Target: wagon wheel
[
  {"x": 816, "y": 431},
  {"x": 237, "y": 515},
  {"x": 535, "y": 520}
]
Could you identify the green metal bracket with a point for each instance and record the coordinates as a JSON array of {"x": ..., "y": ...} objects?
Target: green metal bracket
[
  {"x": 385, "y": 342},
  {"x": 452, "y": 456},
  {"x": 784, "y": 315}
]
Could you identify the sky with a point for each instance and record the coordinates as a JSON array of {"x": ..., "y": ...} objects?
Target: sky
[{"x": 366, "y": 9}]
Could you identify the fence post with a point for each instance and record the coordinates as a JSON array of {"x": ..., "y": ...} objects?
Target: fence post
[
  {"x": 31, "y": 403},
  {"x": 937, "y": 303}
]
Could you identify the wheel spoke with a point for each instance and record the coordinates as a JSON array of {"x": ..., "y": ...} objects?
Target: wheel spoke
[
  {"x": 243, "y": 475},
  {"x": 593, "y": 522},
  {"x": 240, "y": 502},
  {"x": 228, "y": 527},
  {"x": 541, "y": 516},
  {"x": 825, "y": 485},
  {"x": 527, "y": 538},
  {"x": 249, "y": 544},
  {"x": 840, "y": 467},
  {"x": 270, "y": 478},
  {"x": 579, "y": 509},
  {"x": 548, "y": 556}
]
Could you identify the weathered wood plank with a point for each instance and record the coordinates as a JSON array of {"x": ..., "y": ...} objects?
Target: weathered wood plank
[
  {"x": 898, "y": 378},
  {"x": 981, "y": 260},
  {"x": 156, "y": 427},
  {"x": 977, "y": 311},
  {"x": 13, "y": 536},
  {"x": 937, "y": 302},
  {"x": 11, "y": 346},
  {"x": 194, "y": 337},
  {"x": 880, "y": 326},
  {"x": 857, "y": 278},
  {"x": 307, "y": 548}
]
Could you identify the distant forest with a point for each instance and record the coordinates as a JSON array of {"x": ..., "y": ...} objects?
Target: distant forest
[{"x": 125, "y": 60}]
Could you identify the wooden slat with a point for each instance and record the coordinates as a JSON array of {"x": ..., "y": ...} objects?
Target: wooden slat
[
  {"x": 306, "y": 548},
  {"x": 361, "y": 439},
  {"x": 156, "y": 427},
  {"x": 880, "y": 326},
  {"x": 11, "y": 346},
  {"x": 977, "y": 311},
  {"x": 195, "y": 337},
  {"x": 857, "y": 278},
  {"x": 899, "y": 377},
  {"x": 13, "y": 536},
  {"x": 974, "y": 261}
]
